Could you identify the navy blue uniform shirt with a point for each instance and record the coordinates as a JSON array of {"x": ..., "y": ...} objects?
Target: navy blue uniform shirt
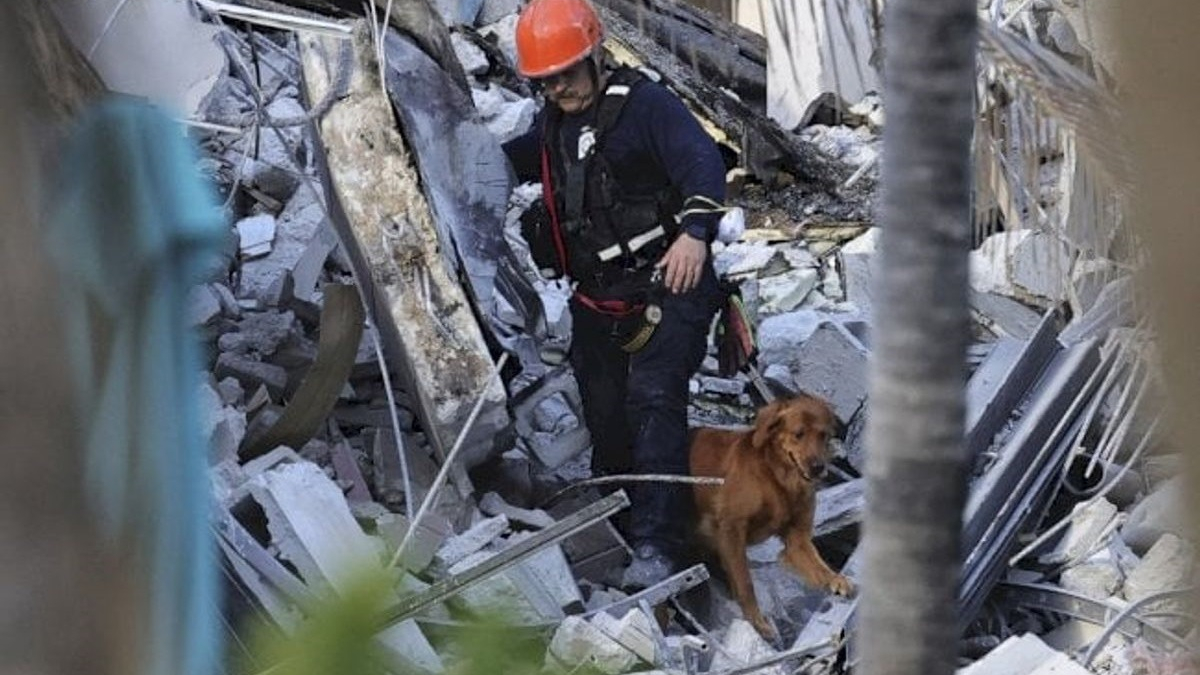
[{"x": 656, "y": 142}]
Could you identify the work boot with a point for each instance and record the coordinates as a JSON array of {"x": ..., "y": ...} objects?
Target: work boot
[{"x": 649, "y": 566}]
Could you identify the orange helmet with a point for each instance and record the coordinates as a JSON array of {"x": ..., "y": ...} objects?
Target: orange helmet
[{"x": 553, "y": 35}]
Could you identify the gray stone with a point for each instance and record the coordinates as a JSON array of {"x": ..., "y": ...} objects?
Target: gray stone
[
  {"x": 831, "y": 364},
  {"x": 1063, "y": 36},
  {"x": 546, "y": 580}
]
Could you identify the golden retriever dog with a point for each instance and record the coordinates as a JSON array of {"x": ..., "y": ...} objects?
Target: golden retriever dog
[{"x": 771, "y": 472}]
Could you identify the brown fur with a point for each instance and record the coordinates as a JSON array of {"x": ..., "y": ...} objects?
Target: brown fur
[{"x": 770, "y": 474}]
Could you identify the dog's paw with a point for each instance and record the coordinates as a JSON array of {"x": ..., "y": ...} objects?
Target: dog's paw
[{"x": 840, "y": 585}]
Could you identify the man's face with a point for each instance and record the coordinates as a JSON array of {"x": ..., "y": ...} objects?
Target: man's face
[{"x": 572, "y": 90}]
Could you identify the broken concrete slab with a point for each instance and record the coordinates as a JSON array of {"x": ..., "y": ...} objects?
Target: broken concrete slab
[
  {"x": 472, "y": 58},
  {"x": 742, "y": 646},
  {"x": 1097, "y": 578},
  {"x": 833, "y": 365},
  {"x": 856, "y": 263},
  {"x": 785, "y": 292},
  {"x": 633, "y": 631},
  {"x": 494, "y": 505},
  {"x": 1028, "y": 265},
  {"x": 1024, "y": 655},
  {"x": 1089, "y": 521},
  {"x": 579, "y": 644},
  {"x": 1167, "y": 566},
  {"x": 458, "y": 547},
  {"x": 780, "y": 336},
  {"x": 546, "y": 579},
  {"x": 1004, "y": 316},
  {"x": 252, "y": 374},
  {"x": 312, "y": 525},
  {"x": 1113, "y": 308},
  {"x": 256, "y": 234},
  {"x": 424, "y": 317},
  {"x": 1161, "y": 512}
]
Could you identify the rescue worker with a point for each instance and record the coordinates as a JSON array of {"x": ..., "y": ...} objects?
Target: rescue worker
[{"x": 633, "y": 191}]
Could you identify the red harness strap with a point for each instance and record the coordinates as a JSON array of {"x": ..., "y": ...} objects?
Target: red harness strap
[{"x": 614, "y": 308}]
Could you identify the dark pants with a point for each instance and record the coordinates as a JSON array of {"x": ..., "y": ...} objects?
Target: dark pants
[{"x": 635, "y": 405}]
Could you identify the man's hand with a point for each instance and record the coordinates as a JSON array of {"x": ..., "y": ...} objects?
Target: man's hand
[{"x": 683, "y": 263}]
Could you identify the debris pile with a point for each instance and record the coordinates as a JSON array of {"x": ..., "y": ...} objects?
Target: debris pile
[{"x": 355, "y": 417}]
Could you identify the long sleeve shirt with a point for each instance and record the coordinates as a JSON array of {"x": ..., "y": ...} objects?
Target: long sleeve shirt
[{"x": 655, "y": 143}]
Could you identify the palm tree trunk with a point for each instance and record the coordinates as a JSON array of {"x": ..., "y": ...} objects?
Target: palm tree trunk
[{"x": 915, "y": 463}]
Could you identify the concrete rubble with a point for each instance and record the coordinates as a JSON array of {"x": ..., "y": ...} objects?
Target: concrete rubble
[{"x": 375, "y": 191}]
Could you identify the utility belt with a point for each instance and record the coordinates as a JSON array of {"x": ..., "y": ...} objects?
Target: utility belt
[{"x": 631, "y": 308}]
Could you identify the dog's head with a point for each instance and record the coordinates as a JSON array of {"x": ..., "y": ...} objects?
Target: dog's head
[{"x": 795, "y": 432}]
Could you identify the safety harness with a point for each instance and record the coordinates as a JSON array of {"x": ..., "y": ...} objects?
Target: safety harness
[{"x": 615, "y": 238}]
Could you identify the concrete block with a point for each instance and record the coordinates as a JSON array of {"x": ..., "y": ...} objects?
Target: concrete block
[
  {"x": 256, "y": 234},
  {"x": 1018, "y": 655},
  {"x": 252, "y": 374},
  {"x": 391, "y": 527},
  {"x": 780, "y": 336},
  {"x": 1088, "y": 524},
  {"x": 743, "y": 646},
  {"x": 480, "y": 535},
  {"x": 633, "y": 631},
  {"x": 579, "y": 644},
  {"x": 1161, "y": 512},
  {"x": 263, "y": 332},
  {"x": 1166, "y": 566},
  {"x": 311, "y": 524},
  {"x": 1023, "y": 264},
  {"x": 831, "y": 364},
  {"x": 546, "y": 579},
  {"x": 497, "y": 594},
  {"x": 346, "y": 466},
  {"x": 1072, "y": 635},
  {"x": 1096, "y": 580}
]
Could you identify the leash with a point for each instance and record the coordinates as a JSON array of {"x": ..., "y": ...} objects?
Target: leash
[{"x": 634, "y": 478}]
